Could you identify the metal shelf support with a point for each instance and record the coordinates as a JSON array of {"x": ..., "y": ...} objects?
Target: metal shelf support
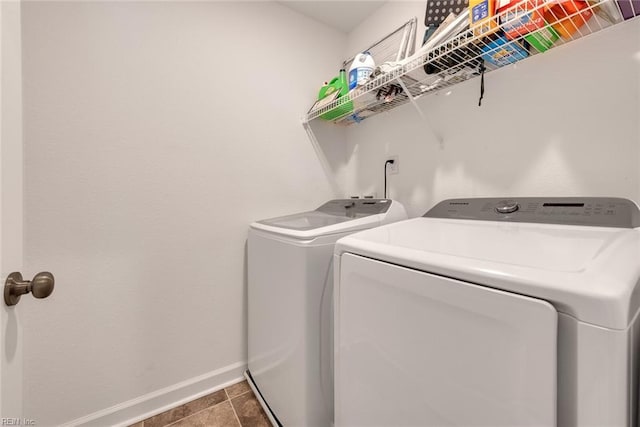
[{"x": 423, "y": 117}]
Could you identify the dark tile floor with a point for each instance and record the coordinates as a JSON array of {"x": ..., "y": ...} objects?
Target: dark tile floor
[{"x": 233, "y": 406}]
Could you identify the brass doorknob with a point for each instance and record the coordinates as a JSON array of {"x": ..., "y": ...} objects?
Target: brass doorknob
[{"x": 14, "y": 287}]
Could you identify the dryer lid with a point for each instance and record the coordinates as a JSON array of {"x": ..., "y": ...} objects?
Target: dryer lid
[{"x": 591, "y": 273}]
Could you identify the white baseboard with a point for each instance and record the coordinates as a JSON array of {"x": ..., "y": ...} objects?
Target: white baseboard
[{"x": 140, "y": 408}]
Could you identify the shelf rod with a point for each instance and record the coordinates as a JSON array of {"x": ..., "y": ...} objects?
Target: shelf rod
[{"x": 424, "y": 118}]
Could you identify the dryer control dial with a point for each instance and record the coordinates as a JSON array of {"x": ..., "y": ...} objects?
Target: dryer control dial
[{"x": 507, "y": 206}]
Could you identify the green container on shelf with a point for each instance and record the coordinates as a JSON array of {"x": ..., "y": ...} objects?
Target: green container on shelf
[
  {"x": 543, "y": 39},
  {"x": 341, "y": 86}
]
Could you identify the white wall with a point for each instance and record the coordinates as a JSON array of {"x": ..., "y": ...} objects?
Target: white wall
[
  {"x": 560, "y": 124},
  {"x": 155, "y": 133},
  {"x": 11, "y": 212}
]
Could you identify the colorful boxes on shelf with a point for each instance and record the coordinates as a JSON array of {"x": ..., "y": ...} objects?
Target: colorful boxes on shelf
[
  {"x": 543, "y": 22},
  {"x": 482, "y": 17},
  {"x": 543, "y": 39},
  {"x": 527, "y": 19},
  {"x": 629, "y": 8},
  {"x": 567, "y": 17},
  {"x": 500, "y": 51},
  {"x": 522, "y": 18}
]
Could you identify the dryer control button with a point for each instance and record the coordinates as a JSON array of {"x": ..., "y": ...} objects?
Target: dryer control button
[{"x": 507, "y": 206}]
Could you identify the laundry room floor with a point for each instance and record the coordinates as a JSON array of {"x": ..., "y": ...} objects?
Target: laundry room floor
[{"x": 235, "y": 405}]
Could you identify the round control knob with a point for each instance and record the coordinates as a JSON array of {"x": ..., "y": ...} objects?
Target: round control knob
[{"x": 507, "y": 206}]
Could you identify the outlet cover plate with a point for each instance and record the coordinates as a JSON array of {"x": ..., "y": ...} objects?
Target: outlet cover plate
[{"x": 394, "y": 168}]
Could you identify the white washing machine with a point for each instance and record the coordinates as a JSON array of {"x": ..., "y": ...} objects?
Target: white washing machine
[
  {"x": 290, "y": 284},
  {"x": 490, "y": 312}
]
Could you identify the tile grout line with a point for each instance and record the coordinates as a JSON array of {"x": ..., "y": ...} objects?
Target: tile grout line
[
  {"x": 202, "y": 410},
  {"x": 228, "y": 399},
  {"x": 233, "y": 408},
  {"x": 241, "y": 394}
]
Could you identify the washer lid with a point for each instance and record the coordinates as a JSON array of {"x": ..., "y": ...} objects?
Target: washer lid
[
  {"x": 335, "y": 216},
  {"x": 590, "y": 273}
]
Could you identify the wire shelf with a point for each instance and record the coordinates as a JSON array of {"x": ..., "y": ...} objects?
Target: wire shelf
[
  {"x": 396, "y": 46},
  {"x": 461, "y": 57}
]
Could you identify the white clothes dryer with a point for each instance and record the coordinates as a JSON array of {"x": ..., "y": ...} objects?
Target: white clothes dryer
[
  {"x": 491, "y": 312},
  {"x": 290, "y": 284}
]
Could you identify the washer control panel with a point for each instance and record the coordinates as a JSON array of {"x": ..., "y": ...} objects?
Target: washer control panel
[
  {"x": 355, "y": 207},
  {"x": 591, "y": 211}
]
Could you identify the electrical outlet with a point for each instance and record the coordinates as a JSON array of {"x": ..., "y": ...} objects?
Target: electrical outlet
[{"x": 394, "y": 168}]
